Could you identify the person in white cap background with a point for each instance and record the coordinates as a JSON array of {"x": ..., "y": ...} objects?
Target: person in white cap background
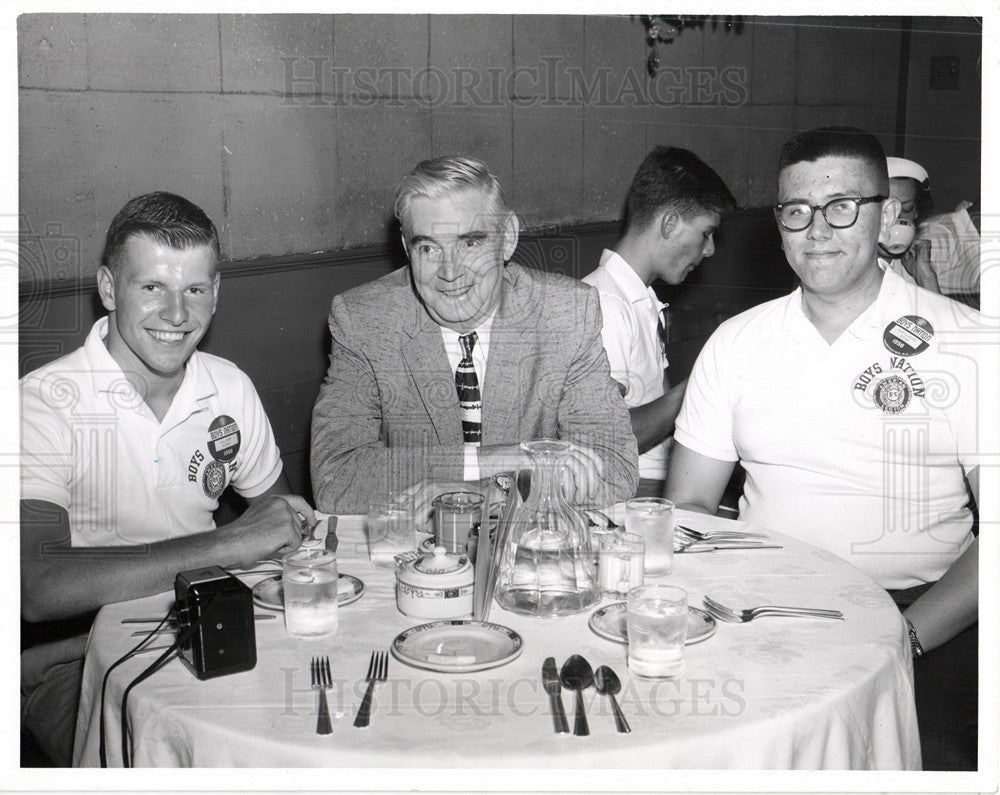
[
  {"x": 897, "y": 249},
  {"x": 940, "y": 253}
]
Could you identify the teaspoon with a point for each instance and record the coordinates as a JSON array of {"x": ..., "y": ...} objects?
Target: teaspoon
[
  {"x": 576, "y": 674},
  {"x": 607, "y": 683}
]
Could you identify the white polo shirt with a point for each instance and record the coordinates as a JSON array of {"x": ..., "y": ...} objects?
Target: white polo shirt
[
  {"x": 859, "y": 446},
  {"x": 90, "y": 444},
  {"x": 630, "y": 334},
  {"x": 955, "y": 249}
]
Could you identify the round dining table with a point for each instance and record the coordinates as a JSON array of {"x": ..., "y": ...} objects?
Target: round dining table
[{"x": 775, "y": 693}]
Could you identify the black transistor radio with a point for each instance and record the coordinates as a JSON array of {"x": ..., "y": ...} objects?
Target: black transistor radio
[{"x": 220, "y": 608}]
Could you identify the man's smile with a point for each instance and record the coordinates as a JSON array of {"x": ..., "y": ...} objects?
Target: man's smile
[
  {"x": 456, "y": 292},
  {"x": 168, "y": 337}
]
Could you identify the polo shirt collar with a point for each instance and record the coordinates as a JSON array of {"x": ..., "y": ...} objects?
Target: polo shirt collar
[
  {"x": 632, "y": 287},
  {"x": 107, "y": 375},
  {"x": 888, "y": 291},
  {"x": 873, "y": 316}
]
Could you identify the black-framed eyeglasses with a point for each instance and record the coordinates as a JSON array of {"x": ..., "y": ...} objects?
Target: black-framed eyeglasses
[{"x": 838, "y": 213}]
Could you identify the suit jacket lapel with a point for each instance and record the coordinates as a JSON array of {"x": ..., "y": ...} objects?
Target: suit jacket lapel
[
  {"x": 424, "y": 356},
  {"x": 501, "y": 388}
]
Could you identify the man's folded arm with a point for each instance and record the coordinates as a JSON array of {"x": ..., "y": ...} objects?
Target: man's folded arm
[
  {"x": 350, "y": 460},
  {"x": 951, "y": 605},
  {"x": 653, "y": 422},
  {"x": 696, "y": 482},
  {"x": 59, "y": 581}
]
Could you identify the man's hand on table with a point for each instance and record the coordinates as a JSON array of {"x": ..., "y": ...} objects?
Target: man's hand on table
[
  {"x": 272, "y": 525},
  {"x": 580, "y": 478}
]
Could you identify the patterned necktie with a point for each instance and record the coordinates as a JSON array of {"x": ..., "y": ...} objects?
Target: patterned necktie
[
  {"x": 469, "y": 398},
  {"x": 662, "y": 330}
]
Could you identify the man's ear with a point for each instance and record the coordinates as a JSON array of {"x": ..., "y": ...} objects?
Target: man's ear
[
  {"x": 669, "y": 221},
  {"x": 402, "y": 239},
  {"x": 511, "y": 230},
  {"x": 215, "y": 291},
  {"x": 106, "y": 287},
  {"x": 891, "y": 208}
]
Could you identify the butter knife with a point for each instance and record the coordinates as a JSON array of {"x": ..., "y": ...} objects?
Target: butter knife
[
  {"x": 703, "y": 546},
  {"x": 550, "y": 679}
]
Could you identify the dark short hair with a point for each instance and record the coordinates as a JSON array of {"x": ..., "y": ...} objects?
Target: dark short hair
[
  {"x": 163, "y": 217},
  {"x": 811, "y": 145},
  {"x": 673, "y": 178}
]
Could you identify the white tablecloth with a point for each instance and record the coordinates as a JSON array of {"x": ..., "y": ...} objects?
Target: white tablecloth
[{"x": 776, "y": 693}]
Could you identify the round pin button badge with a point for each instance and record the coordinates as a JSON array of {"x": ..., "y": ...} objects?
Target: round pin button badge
[
  {"x": 223, "y": 439},
  {"x": 908, "y": 335}
]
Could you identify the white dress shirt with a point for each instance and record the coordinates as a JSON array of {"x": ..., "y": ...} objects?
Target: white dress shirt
[{"x": 480, "y": 355}]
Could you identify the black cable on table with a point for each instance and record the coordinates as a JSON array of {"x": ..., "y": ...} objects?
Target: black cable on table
[
  {"x": 137, "y": 649},
  {"x": 182, "y": 637}
]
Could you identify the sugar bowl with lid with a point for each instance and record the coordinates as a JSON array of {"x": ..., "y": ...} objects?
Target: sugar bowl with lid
[{"x": 435, "y": 584}]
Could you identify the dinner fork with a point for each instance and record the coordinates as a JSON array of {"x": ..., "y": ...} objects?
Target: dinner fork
[
  {"x": 321, "y": 680},
  {"x": 724, "y": 613},
  {"x": 706, "y": 535},
  {"x": 378, "y": 671},
  {"x": 601, "y": 520}
]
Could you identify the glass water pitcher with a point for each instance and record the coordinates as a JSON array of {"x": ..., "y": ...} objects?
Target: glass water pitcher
[{"x": 546, "y": 564}]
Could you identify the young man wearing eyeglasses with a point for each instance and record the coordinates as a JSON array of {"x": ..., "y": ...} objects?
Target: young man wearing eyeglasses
[{"x": 852, "y": 406}]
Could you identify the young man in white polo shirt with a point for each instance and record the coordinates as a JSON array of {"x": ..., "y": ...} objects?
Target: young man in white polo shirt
[
  {"x": 852, "y": 406},
  {"x": 675, "y": 204},
  {"x": 127, "y": 444}
]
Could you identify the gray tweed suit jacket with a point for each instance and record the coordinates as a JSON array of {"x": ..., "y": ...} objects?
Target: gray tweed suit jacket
[{"x": 387, "y": 413}]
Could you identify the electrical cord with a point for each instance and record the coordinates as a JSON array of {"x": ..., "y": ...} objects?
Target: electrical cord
[
  {"x": 182, "y": 638},
  {"x": 137, "y": 649},
  {"x": 153, "y": 668}
]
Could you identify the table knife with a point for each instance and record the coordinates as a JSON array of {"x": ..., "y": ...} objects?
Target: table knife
[
  {"x": 171, "y": 620},
  {"x": 550, "y": 679},
  {"x": 709, "y": 546}
]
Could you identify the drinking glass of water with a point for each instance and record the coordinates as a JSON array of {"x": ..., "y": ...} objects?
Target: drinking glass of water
[
  {"x": 309, "y": 583},
  {"x": 657, "y": 630},
  {"x": 391, "y": 528},
  {"x": 454, "y": 515},
  {"x": 653, "y": 519},
  {"x": 621, "y": 562}
]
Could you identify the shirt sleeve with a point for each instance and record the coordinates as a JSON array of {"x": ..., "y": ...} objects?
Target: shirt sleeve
[
  {"x": 362, "y": 445},
  {"x": 261, "y": 464},
  {"x": 705, "y": 422},
  {"x": 592, "y": 411},
  {"x": 46, "y": 447},
  {"x": 959, "y": 392},
  {"x": 618, "y": 336}
]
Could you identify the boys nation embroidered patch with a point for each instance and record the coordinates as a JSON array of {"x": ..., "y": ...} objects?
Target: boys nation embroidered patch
[{"x": 890, "y": 385}]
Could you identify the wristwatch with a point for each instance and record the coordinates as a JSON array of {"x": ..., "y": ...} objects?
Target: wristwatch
[{"x": 915, "y": 648}]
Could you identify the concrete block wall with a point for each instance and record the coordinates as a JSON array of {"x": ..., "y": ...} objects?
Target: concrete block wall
[
  {"x": 292, "y": 130},
  {"x": 944, "y": 125}
]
